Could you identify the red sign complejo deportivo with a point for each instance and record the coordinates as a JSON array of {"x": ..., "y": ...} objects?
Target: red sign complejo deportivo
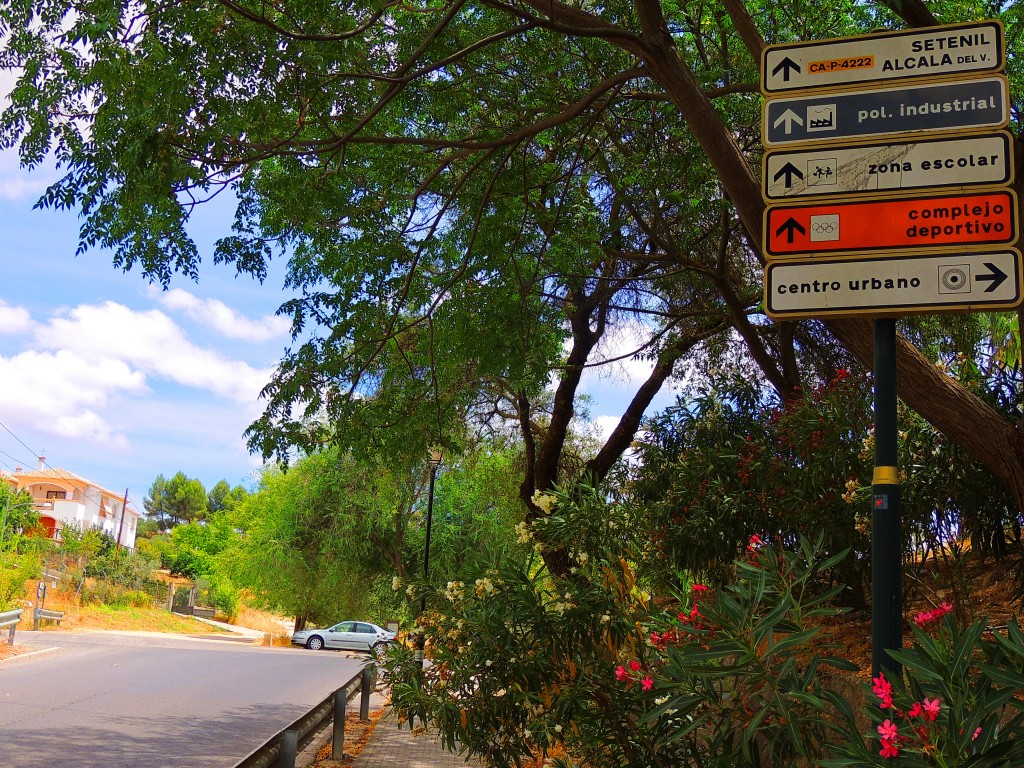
[{"x": 916, "y": 223}]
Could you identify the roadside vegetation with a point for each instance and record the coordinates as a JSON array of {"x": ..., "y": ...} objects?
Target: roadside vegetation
[{"x": 482, "y": 205}]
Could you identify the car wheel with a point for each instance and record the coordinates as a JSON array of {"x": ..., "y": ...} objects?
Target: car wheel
[
  {"x": 379, "y": 651},
  {"x": 315, "y": 643}
]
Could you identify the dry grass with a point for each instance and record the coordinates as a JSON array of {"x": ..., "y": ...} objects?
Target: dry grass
[
  {"x": 131, "y": 619},
  {"x": 268, "y": 623}
]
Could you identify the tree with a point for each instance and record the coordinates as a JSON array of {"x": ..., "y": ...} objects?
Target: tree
[
  {"x": 497, "y": 187},
  {"x": 175, "y": 501},
  {"x": 16, "y": 515},
  {"x": 222, "y": 496},
  {"x": 154, "y": 501}
]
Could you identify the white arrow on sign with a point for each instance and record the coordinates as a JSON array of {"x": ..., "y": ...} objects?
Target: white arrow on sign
[
  {"x": 884, "y": 57},
  {"x": 855, "y": 169},
  {"x": 789, "y": 117},
  {"x": 912, "y": 285}
]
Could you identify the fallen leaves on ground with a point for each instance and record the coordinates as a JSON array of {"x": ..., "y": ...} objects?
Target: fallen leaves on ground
[{"x": 357, "y": 732}]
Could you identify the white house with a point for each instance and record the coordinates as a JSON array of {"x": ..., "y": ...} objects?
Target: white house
[{"x": 63, "y": 498}]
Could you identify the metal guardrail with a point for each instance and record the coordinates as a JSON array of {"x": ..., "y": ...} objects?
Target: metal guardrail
[
  {"x": 281, "y": 750},
  {"x": 42, "y": 614},
  {"x": 10, "y": 619}
]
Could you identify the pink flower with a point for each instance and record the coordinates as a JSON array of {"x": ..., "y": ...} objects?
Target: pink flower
[
  {"x": 621, "y": 674},
  {"x": 927, "y": 618},
  {"x": 647, "y": 683},
  {"x": 754, "y": 543},
  {"x": 931, "y": 708},
  {"x": 883, "y": 690},
  {"x": 887, "y": 730},
  {"x": 698, "y": 588},
  {"x": 977, "y": 733},
  {"x": 889, "y": 749},
  {"x": 635, "y": 665}
]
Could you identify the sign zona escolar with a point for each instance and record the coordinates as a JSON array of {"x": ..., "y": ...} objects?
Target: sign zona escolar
[
  {"x": 903, "y": 223},
  {"x": 983, "y": 160}
]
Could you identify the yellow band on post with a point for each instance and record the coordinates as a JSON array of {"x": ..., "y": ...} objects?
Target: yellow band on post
[{"x": 886, "y": 476}]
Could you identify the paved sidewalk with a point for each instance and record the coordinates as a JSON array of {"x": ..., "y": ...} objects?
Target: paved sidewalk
[
  {"x": 393, "y": 747},
  {"x": 253, "y": 635}
]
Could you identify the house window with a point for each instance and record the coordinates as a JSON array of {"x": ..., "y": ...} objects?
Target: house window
[{"x": 56, "y": 494}]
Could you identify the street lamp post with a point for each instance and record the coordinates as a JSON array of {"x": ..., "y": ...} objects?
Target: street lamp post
[{"x": 435, "y": 462}]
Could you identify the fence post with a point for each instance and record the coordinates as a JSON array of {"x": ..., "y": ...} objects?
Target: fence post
[
  {"x": 10, "y": 637},
  {"x": 338, "y": 740},
  {"x": 170, "y": 596},
  {"x": 365, "y": 689},
  {"x": 289, "y": 749}
]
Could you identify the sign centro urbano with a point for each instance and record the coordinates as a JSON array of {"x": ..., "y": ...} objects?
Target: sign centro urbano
[
  {"x": 866, "y": 169},
  {"x": 976, "y": 48},
  {"x": 932, "y": 107},
  {"x": 974, "y": 282},
  {"x": 899, "y": 223}
]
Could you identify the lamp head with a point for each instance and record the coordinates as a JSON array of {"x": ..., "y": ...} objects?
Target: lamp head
[{"x": 434, "y": 455}]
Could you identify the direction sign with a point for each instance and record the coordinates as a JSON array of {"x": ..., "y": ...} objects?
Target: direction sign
[
  {"x": 961, "y": 162},
  {"x": 932, "y": 107},
  {"x": 886, "y": 56},
  {"x": 954, "y": 282},
  {"x": 914, "y": 223}
]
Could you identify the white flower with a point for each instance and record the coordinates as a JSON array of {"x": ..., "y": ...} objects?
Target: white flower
[
  {"x": 661, "y": 700},
  {"x": 396, "y": 583},
  {"x": 605, "y": 618},
  {"x": 454, "y": 590},
  {"x": 488, "y": 663},
  {"x": 545, "y": 501},
  {"x": 558, "y": 728},
  {"x": 410, "y": 590},
  {"x": 582, "y": 557},
  {"x": 499, "y": 693},
  {"x": 523, "y": 535},
  {"x": 484, "y": 587}
]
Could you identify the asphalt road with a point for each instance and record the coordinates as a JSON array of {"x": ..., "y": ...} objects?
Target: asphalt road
[{"x": 126, "y": 701}]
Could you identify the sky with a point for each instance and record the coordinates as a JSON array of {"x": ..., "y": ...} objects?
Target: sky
[{"x": 118, "y": 381}]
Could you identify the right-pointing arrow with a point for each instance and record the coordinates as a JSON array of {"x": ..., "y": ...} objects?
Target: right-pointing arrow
[{"x": 996, "y": 278}]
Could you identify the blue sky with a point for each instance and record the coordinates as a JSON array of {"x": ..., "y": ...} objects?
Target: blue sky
[{"x": 118, "y": 381}]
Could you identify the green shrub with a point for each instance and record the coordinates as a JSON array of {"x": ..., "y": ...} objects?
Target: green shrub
[
  {"x": 524, "y": 660},
  {"x": 956, "y": 702},
  {"x": 190, "y": 563},
  {"x": 114, "y": 595},
  {"x": 225, "y": 598},
  {"x": 14, "y": 572}
]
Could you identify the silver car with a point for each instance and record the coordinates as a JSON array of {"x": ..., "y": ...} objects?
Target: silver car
[{"x": 346, "y": 635}]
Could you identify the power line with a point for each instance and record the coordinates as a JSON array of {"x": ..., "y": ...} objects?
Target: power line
[{"x": 17, "y": 438}]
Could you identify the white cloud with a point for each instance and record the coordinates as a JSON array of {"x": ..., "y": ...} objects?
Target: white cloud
[
  {"x": 18, "y": 184},
  {"x": 606, "y": 425},
  {"x": 625, "y": 373},
  {"x": 60, "y": 393},
  {"x": 14, "y": 319},
  {"x": 153, "y": 344},
  {"x": 222, "y": 318}
]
